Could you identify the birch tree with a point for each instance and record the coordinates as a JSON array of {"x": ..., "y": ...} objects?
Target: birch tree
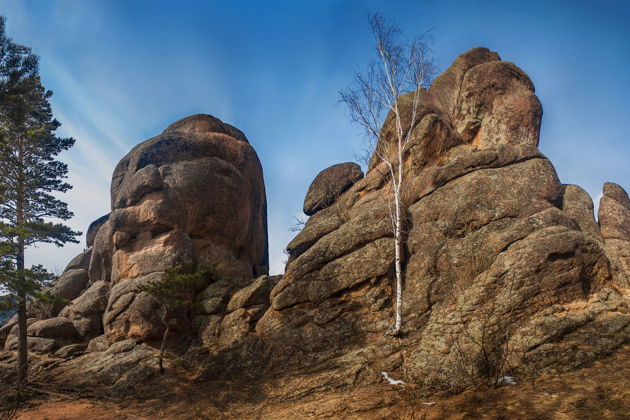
[{"x": 400, "y": 67}]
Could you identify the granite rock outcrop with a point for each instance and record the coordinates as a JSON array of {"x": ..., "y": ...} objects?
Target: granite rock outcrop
[
  {"x": 614, "y": 220},
  {"x": 507, "y": 272},
  {"x": 505, "y": 269}
]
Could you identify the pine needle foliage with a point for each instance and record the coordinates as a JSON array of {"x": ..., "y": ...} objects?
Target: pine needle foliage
[
  {"x": 30, "y": 175},
  {"x": 175, "y": 292}
]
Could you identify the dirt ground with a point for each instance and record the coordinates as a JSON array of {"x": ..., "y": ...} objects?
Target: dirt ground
[{"x": 600, "y": 391}]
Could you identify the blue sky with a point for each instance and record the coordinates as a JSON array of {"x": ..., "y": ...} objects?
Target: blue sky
[{"x": 123, "y": 70}]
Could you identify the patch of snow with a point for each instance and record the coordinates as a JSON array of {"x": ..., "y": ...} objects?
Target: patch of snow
[
  {"x": 429, "y": 403},
  {"x": 391, "y": 380},
  {"x": 507, "y": 380}
]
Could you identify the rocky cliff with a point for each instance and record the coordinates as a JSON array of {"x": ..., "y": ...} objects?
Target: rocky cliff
[{"x": 507, "y": 272}]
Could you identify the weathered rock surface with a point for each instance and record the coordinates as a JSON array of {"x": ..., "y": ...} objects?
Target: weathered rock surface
[
  {"x": 100, "y": 268},
  {"x": 70, "y": 284},
  {"x": 81, "y": 261},
  {"x": 71, "y": 350},
  {"x": 97, "y": 344},
  {"x": 193, "y": 193},
  {"x": 34, "y": 344},
  {"x": 578, "y": 205},
  {"x": 131, "y": 313},
  {"x": 6, "y": 329},
  {"x": 330, "y": 184},
  {"x": 497, "y": 249},
  {"x": 86, "y": 311},
  {"x": 614, "y": 220},
  {"x": 255, "y": 294},
  {"x": 10, "y": 330},
  {"x": 58, "y": 327},
  {"x": 93, "y": 229},
  {"x": 122, "y": 371},
  {"x": 497, "y": 105},
  {"x": 506, "y": 270}
]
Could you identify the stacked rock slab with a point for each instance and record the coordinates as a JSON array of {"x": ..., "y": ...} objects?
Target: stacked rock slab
[
  {"x": 614, "y": 220},
  {"x": 505, "y": 267}
]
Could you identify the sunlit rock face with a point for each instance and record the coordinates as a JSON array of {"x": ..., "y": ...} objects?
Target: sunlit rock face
[
  {"x": 193, "y": 193},
  {"x": 504, "y": 265}
]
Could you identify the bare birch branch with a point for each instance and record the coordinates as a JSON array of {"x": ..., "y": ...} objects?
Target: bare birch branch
[{"x": 400, "y": 67}]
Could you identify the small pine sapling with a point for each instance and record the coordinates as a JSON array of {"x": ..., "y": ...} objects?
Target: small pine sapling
[{"x": 175, "y": 292}]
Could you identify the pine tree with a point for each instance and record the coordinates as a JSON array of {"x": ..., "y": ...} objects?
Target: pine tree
[{"x": 29, "y": 174}]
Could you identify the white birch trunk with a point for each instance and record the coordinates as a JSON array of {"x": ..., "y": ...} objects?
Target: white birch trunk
[
  {"x": 398, "y": 256},
  {"x": 398, "y": 239},
  {"x": 401, "y": 68}
]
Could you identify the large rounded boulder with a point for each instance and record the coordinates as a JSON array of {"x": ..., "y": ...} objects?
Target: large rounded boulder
[
  {"x": 330, "y": 184},
  {"x": 193, "y": 193}
]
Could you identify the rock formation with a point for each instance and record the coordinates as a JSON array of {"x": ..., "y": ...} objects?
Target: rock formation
[
  {"x": 193, "y": 193},
  {"x": 614, "y": 220},
  {"x": 506, "y": 269},
  {"x": 330, "y": 184}
]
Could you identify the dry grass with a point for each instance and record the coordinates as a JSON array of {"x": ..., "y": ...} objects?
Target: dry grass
[{"x": 601, "y": 391}]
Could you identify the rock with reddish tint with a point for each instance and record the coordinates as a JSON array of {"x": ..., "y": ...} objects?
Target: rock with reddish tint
[
  {"x": 497, "y": 249},
  {"x": 505, "y": 270},
  {"x": 614, "y": 213},
  {"x": 446, "y": 87},
  {"x": 193, "y": 193},
  {"x": 577, "y": 204}
]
